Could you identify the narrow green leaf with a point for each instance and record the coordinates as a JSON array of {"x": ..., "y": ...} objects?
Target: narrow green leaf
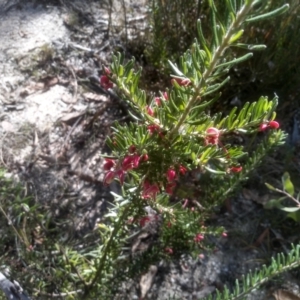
[
  {"x": 236, "y": 60},
  {"x": 214, "y": 171},
  {"x": 287, "y": 184},
  {"x": 295, "y": 216},
  {"x": 270, "y": 187},
  {"x": 202, "y": 39},
  {"x": 290, "y": 209},
  {"x": 175, "y": 69},
  {"x": 214, "y": 88},
  {"x": 231, "y": 6},
  {"x": 270, "y": 14},
  {"x": 236, "y": 36}
]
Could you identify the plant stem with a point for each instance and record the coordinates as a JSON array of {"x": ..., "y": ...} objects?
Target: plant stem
[
  {"x": 215, "y": 58},
  {"x": 107, "y": 250}
]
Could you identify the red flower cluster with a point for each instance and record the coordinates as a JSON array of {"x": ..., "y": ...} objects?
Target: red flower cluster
[
  {"x": 171, "y": 177},
  {"x": 271, "y": 125},
  {"x": 119, "y": 170}
]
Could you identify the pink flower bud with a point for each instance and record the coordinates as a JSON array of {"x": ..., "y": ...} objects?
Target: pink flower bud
[
  {"x": 169, "y": 250},
  {"x": 181, "y": 82},
  {"x": 198, "y": 238},
  {"x": 212, "y": 131},
  {"x": 274, "y": 124},
  {"x": 165, "y": 94},
  {"x": 107, "y": 70},
  {"x": 150, "y": 111},
  {"x": 224, "y": 234},
  {"x": 171, "y": 175},
  {"x": 236, "y": 169},
  {"x": 263, "y": 127},
  {"x": 157, "y": 101}
]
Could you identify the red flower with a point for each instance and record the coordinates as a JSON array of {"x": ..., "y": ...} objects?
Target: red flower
[
  {"x": 212, "y": 136},
  {"x": 181, "y": 82},
  {"x": 165, "y": 94},
  {"x": 105, "y": 82},
  {"x": 274, "y": 124},
  {"x": 171, "y": 175},
  {"x": 198, "y": 238},
  {"x": 170, "y": 188},
  {"x": 149, "y": 190},
  {"x": 153, "y": 128},
  {"x": 121, "y": 175},
  {"x": 109, "y": 177},
  {"x": 132, "y": 149},
  {"x": 182, "y": 169},
  {"x": 131, "y": 162},
  {"x": 109, "y": 163},
  {"x": 144, "y": 157},
  {"x": 236, "y": 169},
  {"x": 150, "y": 111}
]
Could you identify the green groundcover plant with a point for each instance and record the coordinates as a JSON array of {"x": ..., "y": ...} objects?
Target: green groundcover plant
[
  {"x": 176, "y": 157},
  {"x": 176, "y": 161}
]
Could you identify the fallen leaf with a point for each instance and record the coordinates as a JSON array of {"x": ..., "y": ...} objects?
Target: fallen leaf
[
  {"x": 32, "y": 88},
  {"x": 285, "y": 295},
  {"x": 94, "y": 97},
  {"x": 147, "y": 281},
  {"x": 70, "y": 118}
]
